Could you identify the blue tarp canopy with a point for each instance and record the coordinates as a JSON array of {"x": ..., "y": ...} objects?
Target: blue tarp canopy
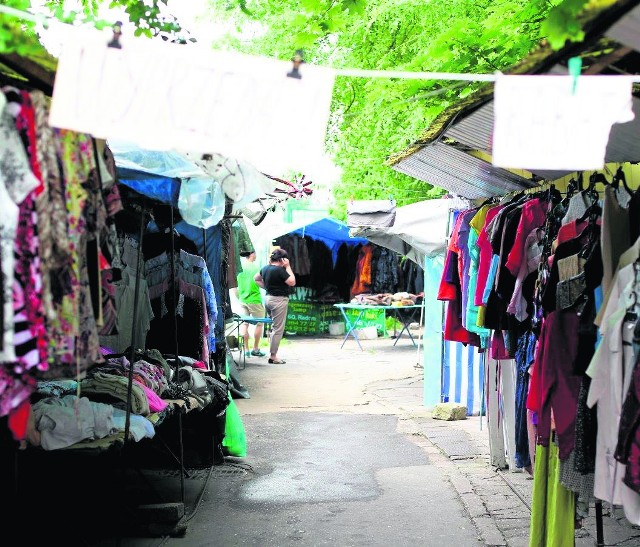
[
  {"x": 163, "y": 189},
  {"x": 155, "y": 174},
  {"x": 331, "y": 232},
  {"x": 197, "y": 186}
]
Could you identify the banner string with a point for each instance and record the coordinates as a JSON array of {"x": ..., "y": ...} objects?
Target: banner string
[{"x": 349, "y": 72}]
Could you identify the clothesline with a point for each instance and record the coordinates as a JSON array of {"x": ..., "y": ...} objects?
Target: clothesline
[{"x": 349, "y": 72}]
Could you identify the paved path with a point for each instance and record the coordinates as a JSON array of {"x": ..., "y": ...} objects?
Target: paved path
[
  {"x": 388, "y": 379},
  {"x": 341, "y": 452}
]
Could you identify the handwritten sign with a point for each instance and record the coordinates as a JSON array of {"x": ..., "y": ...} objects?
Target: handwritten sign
[
  {"x": 166, "y": 96},
  {"x": 369, "y": 318},
  {"x": 310, "y": 318},
  {"x": 543, "y": 122}
]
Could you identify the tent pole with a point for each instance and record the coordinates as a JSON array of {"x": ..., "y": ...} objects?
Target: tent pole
[
  {"x": 175, "y": 342},
  {"x": 443, "y": 315},
  {"x": 421, "y": 337},
  {"x": 134, "y": 326},
  {"x": 204, "y": 245}
]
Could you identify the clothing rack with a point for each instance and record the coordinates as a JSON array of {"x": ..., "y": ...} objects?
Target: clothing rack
[{"x": 593, "y": 180}]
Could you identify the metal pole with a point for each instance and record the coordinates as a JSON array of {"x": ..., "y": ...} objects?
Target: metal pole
[
  {"x": 444, "y": 305},
  {"x": 175, "y": 342},
  {"x": 599, "y": 526},
  {"x": 134, "y": 327},
  {"x": 420, "y": 326}
]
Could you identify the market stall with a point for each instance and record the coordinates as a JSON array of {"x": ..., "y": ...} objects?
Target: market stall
[
  {"x": 540, "y": 278},
  {"x": 112, "y": 304}
]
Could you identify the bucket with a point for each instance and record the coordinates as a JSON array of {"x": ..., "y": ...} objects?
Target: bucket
[
  {"x": 367, "y": 333},
  {"x": 336, "y": 329}
]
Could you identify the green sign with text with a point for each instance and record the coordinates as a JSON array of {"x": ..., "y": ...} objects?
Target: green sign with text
[
  {"x": 310, "y": 317},
  {"x": 369, "y": 318}
]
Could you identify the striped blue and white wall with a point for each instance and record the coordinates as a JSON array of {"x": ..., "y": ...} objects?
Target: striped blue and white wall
[{"x": 463, "y": 376}]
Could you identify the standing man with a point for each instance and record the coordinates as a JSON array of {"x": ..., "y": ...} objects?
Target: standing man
[
  {"x": 277, "y": 279},
  {"x": 248, "y": 293}
]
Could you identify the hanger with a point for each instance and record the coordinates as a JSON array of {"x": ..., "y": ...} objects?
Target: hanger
[
  {"x": 553, "y": 195},
  {"x": 572, "y": 186},
  {"x": 595, "y": 178},
  {"x": 620, "y": 177},
  {"x": 488, "y": 201},
  {"x": 590, "y": 191},
  {"x": 632, "y": 314},
  {"x": 592, "y": 213},
  {"x": 598, "y": 177}
]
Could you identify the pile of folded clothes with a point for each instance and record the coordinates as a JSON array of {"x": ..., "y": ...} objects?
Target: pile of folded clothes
[{"x": 386, "y": 299}]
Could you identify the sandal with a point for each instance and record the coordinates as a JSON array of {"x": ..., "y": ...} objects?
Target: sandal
[{"x": 276, "y": 361}]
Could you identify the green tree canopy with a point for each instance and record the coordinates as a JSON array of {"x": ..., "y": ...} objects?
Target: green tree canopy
[{"x": 372, "y": 118}]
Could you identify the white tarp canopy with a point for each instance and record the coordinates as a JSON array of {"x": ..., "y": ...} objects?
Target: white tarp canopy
[{"x": 419, "y": 230}]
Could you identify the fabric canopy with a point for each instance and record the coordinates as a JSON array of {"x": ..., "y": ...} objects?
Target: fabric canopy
[
  {"x": 331, "y": 232},
  {"x": 195, "y": 184},
  {"x": 419, "y": 230}
]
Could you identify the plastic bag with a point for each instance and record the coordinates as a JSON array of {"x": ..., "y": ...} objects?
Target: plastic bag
[
  {"x": 235, "y": 439},
  {"x": 201, "y": 202},
  {"x": 241, "y": 182}
]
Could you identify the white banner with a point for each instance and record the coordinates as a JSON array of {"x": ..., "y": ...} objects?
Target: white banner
[
  {"x": 170, "y": 96},
  {"x": 542, "y": 122}
]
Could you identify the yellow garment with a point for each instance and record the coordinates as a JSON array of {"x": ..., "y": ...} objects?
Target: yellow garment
[
  {"x": 480, "y": 318},
  {"x": 552, "y": 505}
]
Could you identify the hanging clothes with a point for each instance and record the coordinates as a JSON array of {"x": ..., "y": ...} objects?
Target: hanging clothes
[
  {"x": 614, "y": 237},
  {"x": 362, "y": 282},
  {"x": 553, "y": 506},
  {"x": 450, "y": 290}
]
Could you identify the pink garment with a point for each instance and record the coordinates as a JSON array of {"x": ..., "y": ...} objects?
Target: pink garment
[
  {"x": 533, "y": 216},
  {"x": 200, "y": 365},
  {"x": 156, "y": 404},
  {"x": 533, "y": 256},
  {"x": 572, "y": 230},
  {"x": 486, "y": 253},
  {"x": 554, "y": 388},
  {"x": 498, "y": 349}
]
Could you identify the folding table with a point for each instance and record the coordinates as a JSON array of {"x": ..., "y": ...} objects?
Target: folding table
[
  {"x": 239, "y": 320},
  {"x": 405, "y": 318}
]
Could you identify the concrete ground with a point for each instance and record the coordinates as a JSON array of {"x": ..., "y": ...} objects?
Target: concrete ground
[
  {"x": 387, "y": 380},
  {"x": 341, "y": 451}
]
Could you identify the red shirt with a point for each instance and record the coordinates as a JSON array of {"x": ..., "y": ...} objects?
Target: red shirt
[{"x": 533, "y": 215}]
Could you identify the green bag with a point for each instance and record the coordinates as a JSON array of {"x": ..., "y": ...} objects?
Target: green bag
[{"x": 235, "y": 439}]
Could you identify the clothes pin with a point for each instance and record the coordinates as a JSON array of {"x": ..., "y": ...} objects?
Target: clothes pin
[
  {"x": 297, "y": 60},
  {"x": 575, "y": 66}
]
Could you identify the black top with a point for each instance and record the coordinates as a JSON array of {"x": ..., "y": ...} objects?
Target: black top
[{"x": 274, "y": 280}]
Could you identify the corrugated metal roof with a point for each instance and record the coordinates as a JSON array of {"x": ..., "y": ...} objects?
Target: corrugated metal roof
[
  {"x": 626, "y": 31},
  {"x": 447, "y": 162},
  {"x": 460, "y": 173},
  {"x": 475, "y": 130}
]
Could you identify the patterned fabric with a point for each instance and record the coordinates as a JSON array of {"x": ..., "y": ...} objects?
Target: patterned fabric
[
  {"x": 16, "y": 182},
  {"x": 79, "y": 346},
  {"x": 50, "y": 208},
  {"x": 193, "y": 270},
  {"x": 29, "y": 328},
  {"x": 586, "y": 431}
]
